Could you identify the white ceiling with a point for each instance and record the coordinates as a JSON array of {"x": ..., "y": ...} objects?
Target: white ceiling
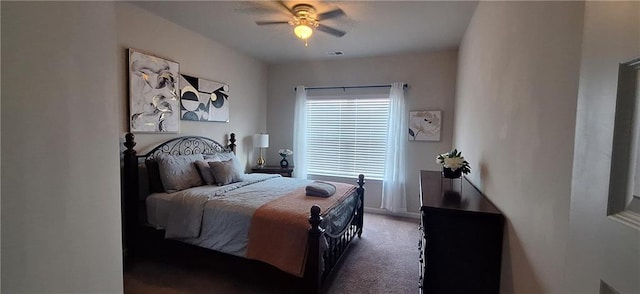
[{"x": 373, "y": 28}]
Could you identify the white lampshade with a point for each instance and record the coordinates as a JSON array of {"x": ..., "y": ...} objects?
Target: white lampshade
[{"x": 260, "y": 141}]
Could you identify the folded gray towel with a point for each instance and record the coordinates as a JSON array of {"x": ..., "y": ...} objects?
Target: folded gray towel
[{"x": 320, "y": 189}]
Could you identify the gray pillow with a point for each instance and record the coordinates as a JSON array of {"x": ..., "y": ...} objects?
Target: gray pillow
[
  {"x": 226, "y": 156},
  {"x": 226, "y": 172},
  {"x": 205, "y": 169},
  {"x": 178, "y": 172},
  {"x": 210, "y": 156}
]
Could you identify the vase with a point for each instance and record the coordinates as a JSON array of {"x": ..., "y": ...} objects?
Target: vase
[
  {"x": 450, "y": 174},
  {"x": 284, "y": 163}
]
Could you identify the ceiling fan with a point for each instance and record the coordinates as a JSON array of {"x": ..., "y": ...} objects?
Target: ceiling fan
[{"x": 305, "y": 20}]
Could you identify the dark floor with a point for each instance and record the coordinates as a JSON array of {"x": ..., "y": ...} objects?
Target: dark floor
[{"x": 384, "y": 260}]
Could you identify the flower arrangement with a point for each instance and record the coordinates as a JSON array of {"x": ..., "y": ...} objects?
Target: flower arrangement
[
  {"x": 453, "y": 160},
  {"x": 285, "y": 152}
]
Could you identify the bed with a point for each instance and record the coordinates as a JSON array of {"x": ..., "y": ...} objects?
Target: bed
[{"x": 262, "y": 217}]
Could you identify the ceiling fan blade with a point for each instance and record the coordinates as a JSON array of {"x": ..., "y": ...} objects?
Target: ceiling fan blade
[
  {"x": 262, "y": 23},
  {"x": 330, "y": 30},
  {"x": 330, "y": 14},
  {"x": 285, "y": 7},
  {"x": 256, "y": 8}
]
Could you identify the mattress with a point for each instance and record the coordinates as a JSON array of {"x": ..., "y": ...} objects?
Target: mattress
[
  {"x": 220, "y": 218},
  {"x": 158, "y": 206}
]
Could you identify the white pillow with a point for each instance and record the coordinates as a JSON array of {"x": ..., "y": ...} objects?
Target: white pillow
[{"x": 178, "y": 172}]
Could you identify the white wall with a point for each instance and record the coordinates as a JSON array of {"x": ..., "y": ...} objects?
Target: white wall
[
  {"x": 431, "y": 79},
  {"x": 599, "y": 247},
  {"x": 60, "y": 173},
  {"x": 200, "y": 57},
  {"x": 515, "y": 117}
]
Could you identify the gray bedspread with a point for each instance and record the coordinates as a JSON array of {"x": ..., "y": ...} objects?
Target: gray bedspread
[{"x": 219, "y": 218}]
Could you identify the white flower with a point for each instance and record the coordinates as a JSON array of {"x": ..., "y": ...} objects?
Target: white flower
[
  {"x": 453, "y": 163},
  {"x": 453, "y": 160},
  {"x": 285, "y": 152}
]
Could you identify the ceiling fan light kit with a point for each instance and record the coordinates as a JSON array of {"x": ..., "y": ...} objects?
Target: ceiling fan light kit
[
  {"x": 303, "y": 32},
  {"x": 303, "y": 26},
  {"x": 305, "y": 21}
]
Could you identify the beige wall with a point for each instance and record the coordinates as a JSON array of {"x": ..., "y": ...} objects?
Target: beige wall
[
  {"x": 515, "y": 117},
  {"x": 431, "y": 79},
  {"x": 65, "y": 107},
  {"x": 200, "y": 57},
  {"x": 599, "y": 247},
  {"x": 60, "y": 173},
  {"x": 64, "y": 80}
]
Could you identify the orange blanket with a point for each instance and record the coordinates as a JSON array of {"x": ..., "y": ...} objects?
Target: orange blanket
[{"x": 279, "y": 229}]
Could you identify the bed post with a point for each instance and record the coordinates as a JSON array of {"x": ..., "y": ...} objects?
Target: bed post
[
  {"x": 130, "y": 197},
  {"x": 232, "y": 142},
  {"x": 312, "y": 272},
  {"x": 360, "y": 191}
]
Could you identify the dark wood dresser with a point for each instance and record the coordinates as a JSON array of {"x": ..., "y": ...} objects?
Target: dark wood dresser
[{"x": 461, "y": 244}]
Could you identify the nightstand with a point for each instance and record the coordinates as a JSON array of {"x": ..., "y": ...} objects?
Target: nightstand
[{"x": 274, "y": 169}]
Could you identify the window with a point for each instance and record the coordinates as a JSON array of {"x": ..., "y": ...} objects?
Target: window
[
  {"x": 347, "y": 135},
  {"x": 624, "y": 182}
]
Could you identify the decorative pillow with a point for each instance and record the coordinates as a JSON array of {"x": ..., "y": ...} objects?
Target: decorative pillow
[
  {"x": 226, "y": 156},
  {"x": 205, "y": 169},
  {"x": 178, "y": 172},
  {"x": 226, "y": 172}
]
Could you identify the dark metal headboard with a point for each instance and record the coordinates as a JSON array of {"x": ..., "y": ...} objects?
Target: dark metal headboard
[{"x": 191, "y": 145}]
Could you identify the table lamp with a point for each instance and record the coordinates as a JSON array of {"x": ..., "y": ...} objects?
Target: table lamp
[{"x": 260, "y": 141}]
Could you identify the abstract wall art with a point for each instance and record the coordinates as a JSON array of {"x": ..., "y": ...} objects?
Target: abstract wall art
[
  {"x": 153, "y": 94},
  {"x": 425, "y": 125},
  {"x": 203, "y": 100}
]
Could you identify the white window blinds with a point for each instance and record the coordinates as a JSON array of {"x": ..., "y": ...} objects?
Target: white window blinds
[{"x": 346, "y": 136}]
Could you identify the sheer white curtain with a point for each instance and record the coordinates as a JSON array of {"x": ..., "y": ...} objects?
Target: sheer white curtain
[
  {"x": 393, "y": 186},
  {"x": 300, "y": 133}
]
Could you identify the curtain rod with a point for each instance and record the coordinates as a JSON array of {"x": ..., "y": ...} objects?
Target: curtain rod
[{"x": 351, "y": 87}]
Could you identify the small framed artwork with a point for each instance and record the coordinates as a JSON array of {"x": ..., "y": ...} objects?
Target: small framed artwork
[
  {"x": 425, "y": 125},
  {"x": 153, "y": 94},
  {"x": 203, "y": 100}
]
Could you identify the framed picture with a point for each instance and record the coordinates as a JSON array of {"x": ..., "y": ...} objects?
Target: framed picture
[
  {"x": 153, "y": 94},
  {"x": 203, "y": 100},
  {"x": 425, "y": 125}
]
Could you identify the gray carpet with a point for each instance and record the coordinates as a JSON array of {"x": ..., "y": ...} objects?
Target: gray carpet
[{"x": 384, "y": 260}]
